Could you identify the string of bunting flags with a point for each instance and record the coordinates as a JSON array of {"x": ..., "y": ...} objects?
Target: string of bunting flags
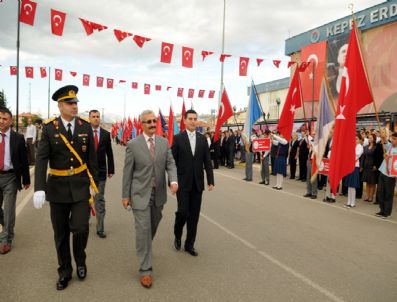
[
  {"x": 110, "y": 83},
  {"x": 58, "y": 20}
]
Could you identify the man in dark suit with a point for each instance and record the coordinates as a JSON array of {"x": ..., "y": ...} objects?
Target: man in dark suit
[
  {"x": 103, "y": 147},
  {"x": 231, "y": 145},
  {"x": 191, "y": 154},
  {"x": 293, "y": 150},
  {"x": 67, "y": 145},
  {"x": 14, "y": 167},
  {"x": 303, "y": 154}
]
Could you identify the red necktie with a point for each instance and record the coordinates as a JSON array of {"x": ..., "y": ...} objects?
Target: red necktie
[
  {"x": 2, "y": 151},
  {"x": 96, "y": 139}
]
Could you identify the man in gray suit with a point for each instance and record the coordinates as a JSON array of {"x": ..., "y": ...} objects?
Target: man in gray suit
[{"x": 147, "y": 159}]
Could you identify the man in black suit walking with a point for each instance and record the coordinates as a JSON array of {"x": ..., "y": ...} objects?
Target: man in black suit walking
[
  {"x": 292, "y": 156},
  {"x": 103, "y": 147},
  {"x": 191, "y": 154},
  {"x": 14, "y": 167}
]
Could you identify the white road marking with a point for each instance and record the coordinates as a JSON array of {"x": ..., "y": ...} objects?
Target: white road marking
[{"x": 306, "y": 199}]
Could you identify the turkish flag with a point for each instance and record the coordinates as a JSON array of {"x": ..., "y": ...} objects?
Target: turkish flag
[
  {"x": 315, "y": 54},
  {"x": 13, "y": 70},
  {"x": 57, "y": 22},
  {"x": 109, "y": 83},
  {"x": 187, "y": 57},
  {"x": 206, "y": 53},
  {"x": 201, "y": 93},
  {"x": 29, "y": 72},
  {"x": 354, "y": 94},
  {"x": 303, "y": 66},
  {"x": 28, "y": 12},
  {"x": 243, "y": 66},
  {"x": 169, "y": 87},
  {"x": 73, "y": 73},
  {"x": 182, "y": 125},
  {"x": 86, "y": 80},
  {"x": 122, "y": 81},
  {"x": 190, "y": 93},
  {"x": 223, "y": 57},
  {"x": 159, "y": 126},
  {"x": 43, "y": 72},
  {"x": 292, "y": 102},
  {"x": 146, "y": 88},
  {"x": 139, "y": 40},
  {"x": 290, "y": 63},
  {"x": 58, "y": 74},
  {"x": 89, "y": 26},
  {"x": 158, "y": 87},
  {"x": 276, "y": 63},
  {"x": 134, "y": 85},
  {"x": 180, "y": 92},
  {"x": 166, "y": 52},
  {"x": 224, "y": 113},
  {"x": 170, "y": 127},
  {"x": 211, "y": 94},
  {"x": 259, "y": 61},
  {"x": 99, "y": 81},
  {"x": 121, "y": 35}
]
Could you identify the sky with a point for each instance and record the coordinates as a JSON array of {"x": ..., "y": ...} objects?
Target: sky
[{"x": 254, "y": 28}]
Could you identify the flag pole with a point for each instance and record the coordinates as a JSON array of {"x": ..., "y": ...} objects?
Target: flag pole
[
  {"x": 18, "y": 46},
  {"x": 358, "y": 35},
  {"x": 223, "y": 50},
  {"x": 49, "y": 88}
]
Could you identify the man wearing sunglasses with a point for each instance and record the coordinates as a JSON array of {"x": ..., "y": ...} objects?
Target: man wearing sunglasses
[{"x": 147, "y": 159}]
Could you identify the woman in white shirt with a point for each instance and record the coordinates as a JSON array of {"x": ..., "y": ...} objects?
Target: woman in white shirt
[{"x": 352, "y": 181}]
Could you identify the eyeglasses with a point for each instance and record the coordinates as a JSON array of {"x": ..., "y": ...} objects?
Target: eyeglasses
[{"x": 153, "y": 121}]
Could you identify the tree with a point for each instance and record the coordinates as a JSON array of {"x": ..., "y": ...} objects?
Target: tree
[{"x": 3, "y": 99}]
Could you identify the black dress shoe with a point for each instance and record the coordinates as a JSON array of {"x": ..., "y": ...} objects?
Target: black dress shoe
[
  {"x": 313, "y": 197},
  {"x": 262, "y": 182},
  {"x": 82, "y": 272},
  {"x": 62, "y": 283},
  {"x": 307, "y": 195},
  {"x": 326, "y": 199},
  {"x": 248, "y": 180},
  {"x": 245, "y": 178},
  {"x": 101, "y": 234},
  {"x": 332, "y": 200},
  {"x": 192, "y": 251},
  {"x": 177, "y": 244}
]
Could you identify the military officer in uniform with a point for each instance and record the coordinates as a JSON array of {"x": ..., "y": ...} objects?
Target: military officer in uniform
[{"x": 67, "y": 144}]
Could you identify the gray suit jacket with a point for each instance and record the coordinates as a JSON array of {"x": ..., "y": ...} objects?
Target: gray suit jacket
[{"x": 138, "y": 169}]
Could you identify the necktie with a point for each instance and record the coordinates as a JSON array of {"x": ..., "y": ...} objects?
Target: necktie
[
  {"x": 96, "y": 139},
  {"x": 151, "y": 148},
  {"x": 2, "y": 151},
  {"x": 70, "y": 135}
]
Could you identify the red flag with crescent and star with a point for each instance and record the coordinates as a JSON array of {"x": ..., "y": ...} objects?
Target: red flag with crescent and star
[
  {"x": 29, "y": 72},
  {"x": 182, "y": 125},
  {"x": 28, "y": 12},
  {"x": 166, "y": 52},
  {"x": 121, "y": 35},
  {"x": 190, "y": 93},
  {"x": 355, "y": 93},
  {"x": 13, "y": 70},
  {"x": 134, "y": 85},
  {"x": 201, "y": 93},
  {"x": 243, "y": 66},
  {"x": 139, "y": 40},
  {"x": 315, "y": 55},
  {"x": 224, "y": 113},
  {"x": 43, "y": 72},
  {"x": 206, "y": 53},
  {"x": 292, "y": 102},
  {"x": 180, "y": 92},
  {"x": 86, "y": 80},
  {"x": 146, "y": 89},
  {"x": 99, "y": 81},
  {"x": 109, "y": 83},
  {"x": 211, "y": 94},
  {"x": 58, "y": 74},
  {"x": 187, "y": 57},
  {"x": 57, "y": 22}
]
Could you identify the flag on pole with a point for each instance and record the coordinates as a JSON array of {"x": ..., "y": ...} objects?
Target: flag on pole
[
  {"x": 170, "y": 127},
  {"x": 354, "y": 94},
  {"x": 325, "y": 122},
  {"x": 159, "y": 127},
  {"x": 254, "y": 112},
  {"x": 224, "y": 113},
  {"x": 292, "y": 102},
  {"x": 163, "y": 122},
  {"x": 182, "y": 125}
]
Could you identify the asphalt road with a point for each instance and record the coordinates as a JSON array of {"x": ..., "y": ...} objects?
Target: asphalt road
[{"x": 254, "y": 243}]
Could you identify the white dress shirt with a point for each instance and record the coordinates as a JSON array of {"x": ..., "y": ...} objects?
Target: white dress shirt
[
  {"x": 7, "y": 151},
  {"x": 192, "y": 140},
  {"x": 65, "y": 123},
  {"x": 147, "y": 140},
  {"x": 30, "y": 132}
]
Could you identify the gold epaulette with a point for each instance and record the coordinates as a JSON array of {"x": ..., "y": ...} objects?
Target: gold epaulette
[
  {"x": 50, "y": 120},
  {"x": 85, "y": 119}
]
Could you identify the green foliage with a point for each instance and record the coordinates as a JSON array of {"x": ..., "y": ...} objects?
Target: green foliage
[{"x": 3, "y": 99}]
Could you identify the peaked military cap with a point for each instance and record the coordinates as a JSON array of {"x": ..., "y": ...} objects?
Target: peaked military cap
[{"x": 66, "y": 94}]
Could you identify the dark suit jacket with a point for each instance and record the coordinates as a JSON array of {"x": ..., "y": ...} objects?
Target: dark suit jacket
[
  {"x": 105, "y": 150},
  {"x": 303, "y": 150},
  {"x": 52, "y": 149},
  {"x": 293, "y": 149},
  {"x": 190, "y": 168},
  {"x": 231, "y": 143},
  {"x": 19, "y": 159}
]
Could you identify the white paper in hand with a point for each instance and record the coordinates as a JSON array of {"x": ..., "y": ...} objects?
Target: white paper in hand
[{"x": 38, "y": 199}]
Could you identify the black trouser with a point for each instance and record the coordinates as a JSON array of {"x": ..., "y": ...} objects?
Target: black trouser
[
  {"x": 272, "y": 161},
  {"x": 292, "y": 167},
  {"x": 215, "y": 159},
  {"x": 189, "y": 205},
  {"x": 302, "y": 168},
  {"x": 31, "y": 151},
  {"x": 385, "y": 193},
  {"x": 69, "y": 218},
  {"x": 231, "y": 158}
]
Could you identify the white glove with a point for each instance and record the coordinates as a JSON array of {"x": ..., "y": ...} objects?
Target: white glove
[
  {"x": 38, "y": 199},
  {"x": 92, "y": 192}
]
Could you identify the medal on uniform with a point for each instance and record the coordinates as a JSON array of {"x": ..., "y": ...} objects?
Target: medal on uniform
[{"x": 84, "y": 148}]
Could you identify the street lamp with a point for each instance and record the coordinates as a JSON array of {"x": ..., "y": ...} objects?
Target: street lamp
[{"x": 278, "y": 102}]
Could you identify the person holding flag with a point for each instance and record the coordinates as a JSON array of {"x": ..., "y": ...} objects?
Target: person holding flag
[{"x": 280, "y": 164}]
